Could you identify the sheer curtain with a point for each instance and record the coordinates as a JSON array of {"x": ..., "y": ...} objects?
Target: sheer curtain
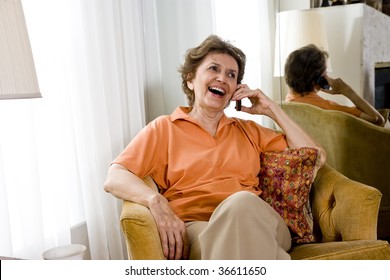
[{"x": 55, "y": 151}]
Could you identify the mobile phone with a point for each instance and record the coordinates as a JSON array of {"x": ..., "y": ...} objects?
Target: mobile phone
[
  {"x": 322, "y": 82},
  {"x": 238, "y": 105}
]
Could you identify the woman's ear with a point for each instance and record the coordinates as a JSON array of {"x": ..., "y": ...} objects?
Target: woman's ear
[{"x": 190, "y": 85}]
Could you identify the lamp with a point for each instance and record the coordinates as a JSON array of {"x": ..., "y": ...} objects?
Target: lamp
[
  {"x": 18, "y": 78},
  {"x": 295, "y": 29}
]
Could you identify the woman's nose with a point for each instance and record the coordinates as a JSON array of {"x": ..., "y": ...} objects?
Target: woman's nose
[{"x": 221, "y": 78}]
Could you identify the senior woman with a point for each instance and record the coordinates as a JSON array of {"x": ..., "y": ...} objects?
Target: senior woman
[{"x": 206, "y": 164}]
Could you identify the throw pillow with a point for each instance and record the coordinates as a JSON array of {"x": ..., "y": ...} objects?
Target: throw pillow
[{"x": 285, "y": 179}]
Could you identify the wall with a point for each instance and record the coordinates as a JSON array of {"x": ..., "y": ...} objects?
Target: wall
[
  {"x": 286, "y": 5},
  {"x": 376, "y": 42},
  {"x": 79, "y": 235}
]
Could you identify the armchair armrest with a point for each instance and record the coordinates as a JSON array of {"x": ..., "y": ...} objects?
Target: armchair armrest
[
  {"x": 344, "y": 209},
  {"x": 140, "y": 230}
]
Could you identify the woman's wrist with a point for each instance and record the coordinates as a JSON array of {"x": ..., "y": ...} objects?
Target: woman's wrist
[
  {"x": 348, "y": 92},
  {"x": 155, "y": 200}
]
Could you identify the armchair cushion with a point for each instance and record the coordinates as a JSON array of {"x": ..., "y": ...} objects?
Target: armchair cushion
[
  {"x": 285, "y": 179},
  {"x": 343, "y": 250}
]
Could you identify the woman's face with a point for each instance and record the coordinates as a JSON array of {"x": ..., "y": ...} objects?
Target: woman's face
[{"x": 215, "y": 81}]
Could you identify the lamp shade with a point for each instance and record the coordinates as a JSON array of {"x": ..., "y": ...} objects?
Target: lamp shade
[
  {"x": 295, "y": 29},
  {"x": 17, "y": 72}
]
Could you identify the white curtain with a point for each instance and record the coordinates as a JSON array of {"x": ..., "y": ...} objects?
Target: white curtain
[{"x": 55, "y": 151}]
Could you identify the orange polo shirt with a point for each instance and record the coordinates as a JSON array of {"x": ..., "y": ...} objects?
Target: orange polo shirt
[
  {"x": 194, "y": 170},
  {"x": 316, "y": 100}
]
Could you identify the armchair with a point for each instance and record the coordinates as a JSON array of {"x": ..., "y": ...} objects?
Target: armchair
[
  {"x": 356, "y": 148},
  {"x": 345, "y": 218}
]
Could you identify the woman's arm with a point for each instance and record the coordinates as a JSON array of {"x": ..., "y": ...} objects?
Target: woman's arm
[
  {"x": 369, "y": 113},
  {"x": 262, "y": 105},
  {"x": 125, "y": 185}
]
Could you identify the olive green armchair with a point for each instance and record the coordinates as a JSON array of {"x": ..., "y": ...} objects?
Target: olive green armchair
[
  {"x": 345, "y": 216},
  {"x": 356, "y": 148}
]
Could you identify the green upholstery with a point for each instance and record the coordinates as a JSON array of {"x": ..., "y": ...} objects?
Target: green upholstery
[
  {"x": 356, "y": 148},
  {"x": 345, "y": 220},
  {"x": 342, "y": 250}
]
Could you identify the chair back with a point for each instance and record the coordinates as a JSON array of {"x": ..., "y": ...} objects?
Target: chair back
[{"x": 356, "y": 148}]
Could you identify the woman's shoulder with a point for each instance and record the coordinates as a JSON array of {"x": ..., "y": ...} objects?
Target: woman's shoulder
[
  {"x": 159, "y": 122},
  {"x": 164, "y": 121}
]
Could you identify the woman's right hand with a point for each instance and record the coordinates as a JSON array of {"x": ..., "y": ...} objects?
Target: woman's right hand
[
  {"x": 125, "y": 185},
  {"x": 172, "y": 230}
]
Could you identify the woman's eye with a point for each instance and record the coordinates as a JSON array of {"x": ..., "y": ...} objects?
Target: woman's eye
[
  {"x": 213, "y": 67},
  {"x": 232, "y": 75}
]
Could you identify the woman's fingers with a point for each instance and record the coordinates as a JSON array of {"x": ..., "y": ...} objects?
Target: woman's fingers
[
  {"x": 172, "y": 245},
  {"x": 171, "y": 230},
  {"x": 186, "y": 245},
  {"x": 260, "y": 103},
  {"x": 181, "y": 240}
]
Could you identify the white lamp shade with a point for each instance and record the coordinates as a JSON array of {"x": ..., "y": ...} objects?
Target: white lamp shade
[
  {"x": 17, "y": 72},
  {"x": 295, "y": 29}
]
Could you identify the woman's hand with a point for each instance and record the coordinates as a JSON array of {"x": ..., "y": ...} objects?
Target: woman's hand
[
  {"x": 125, "y": 185},
  {"x": 369, "y": 113},
  {"x": 172, "y": 230},
  {"x": 338, "y": 86},
  {"x": 261, "y": 104}
]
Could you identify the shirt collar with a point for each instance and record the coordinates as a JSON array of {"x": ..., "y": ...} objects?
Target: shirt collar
[{"x": 181, "y": 113}]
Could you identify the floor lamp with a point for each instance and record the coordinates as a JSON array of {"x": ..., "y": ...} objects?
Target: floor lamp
[{"x": 18, "y": 77}]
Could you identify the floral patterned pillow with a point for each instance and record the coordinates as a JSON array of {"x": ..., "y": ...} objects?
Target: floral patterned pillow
[{"x": 285, "y": 179}]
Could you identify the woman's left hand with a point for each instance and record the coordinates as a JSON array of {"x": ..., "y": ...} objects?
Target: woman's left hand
[
  {"x": 261, "y": 104},
  {"x": 338, "y": 86}
]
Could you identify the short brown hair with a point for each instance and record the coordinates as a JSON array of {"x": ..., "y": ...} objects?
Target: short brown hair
[
  {"x": 303, "y": 67},
  {"x": 195, "y": 56}
]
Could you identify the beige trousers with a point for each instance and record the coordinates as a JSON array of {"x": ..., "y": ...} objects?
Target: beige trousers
[{"x": 242, "y": 227}]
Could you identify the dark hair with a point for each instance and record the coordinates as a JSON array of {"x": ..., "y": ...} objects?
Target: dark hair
[
  {"x": 195, "y": 56},
  {"x": 303, "y": 67}
]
